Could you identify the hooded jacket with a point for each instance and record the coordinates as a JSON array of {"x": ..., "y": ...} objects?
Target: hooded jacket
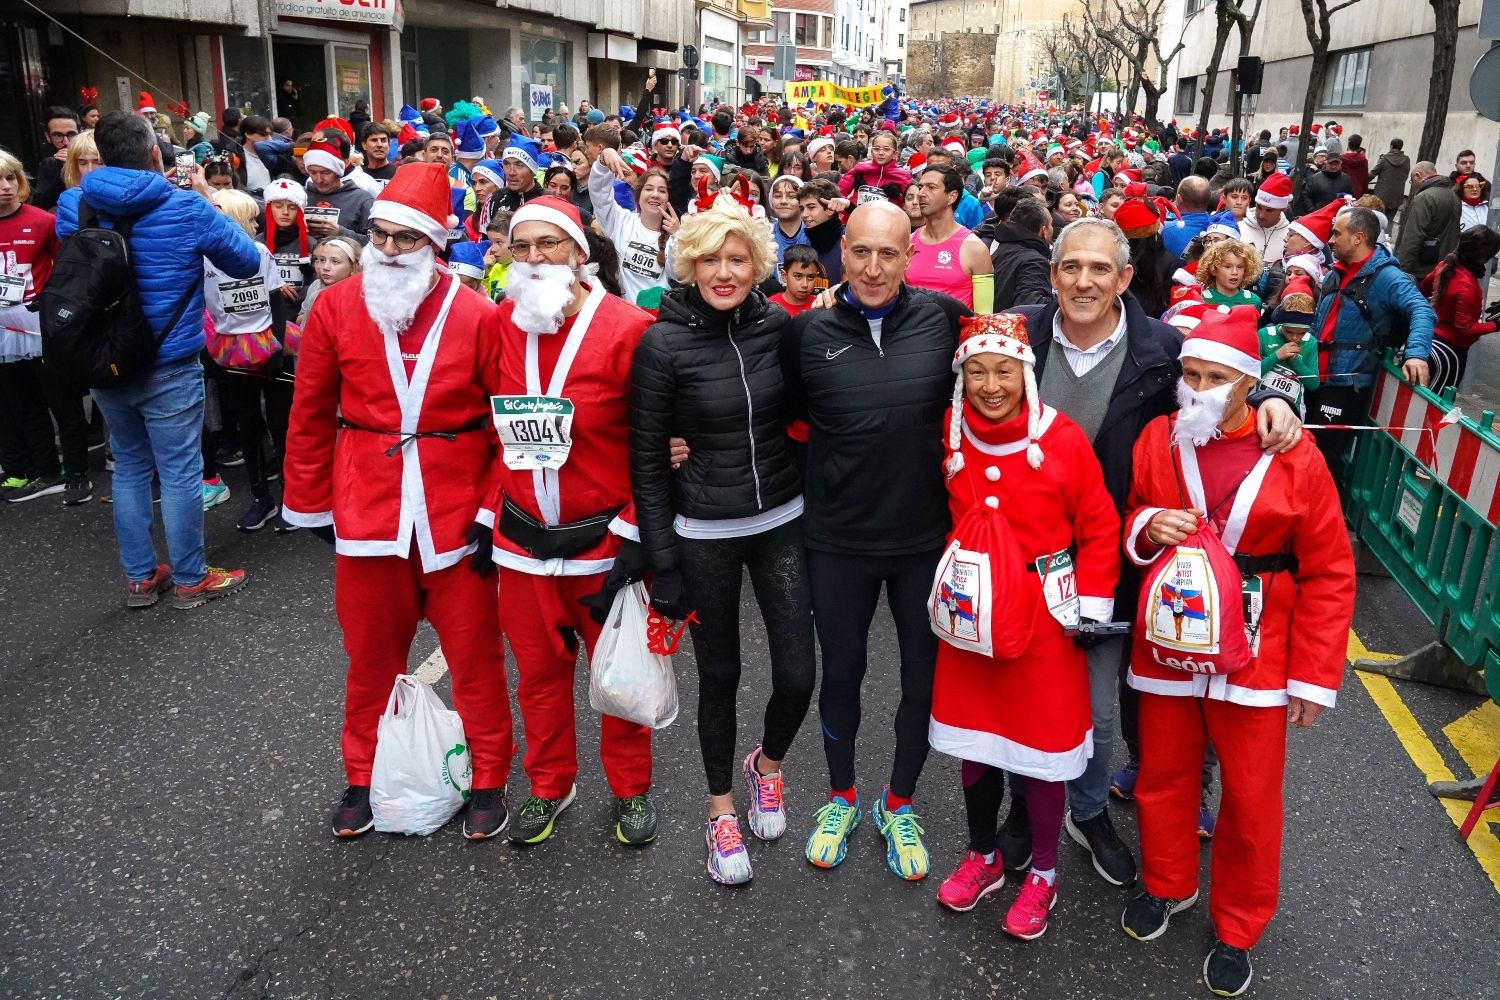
[
  {"x": 172, "y": 230},
  {"x": 1022, "y": 269},
  {"x": 714, "y": 379},
  {"x": 869, "y": 174},
  {"x": 352, "y": 201},
  {"x": 1429, "y": 227},
  {"x": 1392, "y": 303}
]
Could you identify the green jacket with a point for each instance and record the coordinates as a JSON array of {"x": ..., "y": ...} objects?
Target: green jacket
[
  {"x": 1429, "y": 227},
  {"x": 1304, "y": 365}
]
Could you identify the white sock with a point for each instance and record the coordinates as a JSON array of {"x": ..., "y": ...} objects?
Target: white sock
[
  {"x": 989, "y": 858},
  {"x": 1049, "y": 876}
]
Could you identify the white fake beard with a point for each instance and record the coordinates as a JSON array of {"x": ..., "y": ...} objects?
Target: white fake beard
[
  {"x": 395, "y": 286},
  {"x": 1199, "y": 413},
  {"x": 540, "y": 292}
]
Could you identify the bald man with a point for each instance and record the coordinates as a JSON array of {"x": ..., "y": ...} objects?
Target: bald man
[
  {"x": 872, "y": 377},
  {"x": 1193, "y": 202}
]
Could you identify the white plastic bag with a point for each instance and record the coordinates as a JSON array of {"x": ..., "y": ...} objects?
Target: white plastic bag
[
  {"x": 421, "y": 772},
  {"x": 626, "y": 679}
]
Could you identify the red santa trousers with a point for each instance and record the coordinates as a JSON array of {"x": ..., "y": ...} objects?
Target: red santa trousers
[
  {"x": 1246, "y": 861},
  {"x": 379, "y": 601},
  {"x": 543, "y": 621}
]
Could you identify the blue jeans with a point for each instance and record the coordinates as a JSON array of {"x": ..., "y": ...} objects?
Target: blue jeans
[{"x": 156, "y": 422}]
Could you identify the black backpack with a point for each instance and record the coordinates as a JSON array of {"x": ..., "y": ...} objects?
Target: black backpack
[{"x": 94, "y": 332}]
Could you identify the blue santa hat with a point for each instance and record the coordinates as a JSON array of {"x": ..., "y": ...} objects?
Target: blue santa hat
[
  {"x": 466, "y": 260},
  {"x": 486, "y": 126},
  {"x": 490, "y": 170},
  {"x": 411, "y": 116},
  {"x": 528, "y": 151},
  {"x": 467, "y": 143},
  {"x": 627, "y": 113}
]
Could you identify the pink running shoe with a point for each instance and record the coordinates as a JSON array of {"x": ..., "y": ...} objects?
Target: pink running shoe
[
  {"x": 1027, "y": 917},
  {"x": 970, "y": 882}
]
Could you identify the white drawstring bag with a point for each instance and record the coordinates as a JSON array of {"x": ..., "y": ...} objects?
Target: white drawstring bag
[
  {"x": 421, "y": 773},
  {"x": 626, "y": 679}
]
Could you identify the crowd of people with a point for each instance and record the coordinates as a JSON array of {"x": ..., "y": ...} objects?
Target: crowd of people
[{"x": 835, "y": 348}]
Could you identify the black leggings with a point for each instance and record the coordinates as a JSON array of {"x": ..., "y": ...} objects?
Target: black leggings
[
  {"x": 243, "y": 395},
  {"x": 845, "y": 591},
  {"x": 712, "y": 571}
]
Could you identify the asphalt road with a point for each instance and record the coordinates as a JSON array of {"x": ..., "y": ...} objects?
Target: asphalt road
[{"x": 168, "y": 777}]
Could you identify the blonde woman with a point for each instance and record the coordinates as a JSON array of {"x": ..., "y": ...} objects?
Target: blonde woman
[
  {"x": 83, "y": 156},
  {"x": 708, "y": 371}
]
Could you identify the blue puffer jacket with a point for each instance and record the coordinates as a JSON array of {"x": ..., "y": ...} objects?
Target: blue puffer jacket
[
  {"x": 173, "y": 231},
  {"x": 1394, "y": 302}
]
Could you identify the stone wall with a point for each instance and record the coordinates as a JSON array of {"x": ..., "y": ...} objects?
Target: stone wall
[{"x": 954, "y": 63}]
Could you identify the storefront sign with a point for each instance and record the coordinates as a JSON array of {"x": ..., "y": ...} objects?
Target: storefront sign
[
  {"x": 823, "y": 92},
  {"x": 381, "y": 13},
  {"x": 804, "y": 73},
  {"x": 541, "y": 101}
]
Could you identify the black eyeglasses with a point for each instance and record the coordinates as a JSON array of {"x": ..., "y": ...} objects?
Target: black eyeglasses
[
  {"x": 63, "y": 135},
  {"x": 547, "y": 245},
  {"x": 406, "y": 240}
]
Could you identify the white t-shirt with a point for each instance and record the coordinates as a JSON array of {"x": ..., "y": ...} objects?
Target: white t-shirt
[
  {"x": 637, "y": 245},
  {"x": 242, "y": 305},
  {"x": 256, "y": 174}
]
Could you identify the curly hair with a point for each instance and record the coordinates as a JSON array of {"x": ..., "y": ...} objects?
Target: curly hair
[
  {"x": 704, "y": 233},
  {"x": 1215, "y": 255}
]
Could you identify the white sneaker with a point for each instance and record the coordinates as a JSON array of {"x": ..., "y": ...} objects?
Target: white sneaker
[
  {"x": 728, "y": 860},
  {"x": 767, "y": 809}
]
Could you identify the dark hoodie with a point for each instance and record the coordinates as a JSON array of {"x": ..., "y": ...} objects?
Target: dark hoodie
[
  {"x": 826, "y": 239},
  {"x": 1022, "y": 269},
  {"x": 1388, "y": 180}
]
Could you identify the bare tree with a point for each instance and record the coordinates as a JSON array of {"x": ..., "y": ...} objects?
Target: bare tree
[
  {"x": 1440, "y": 84},
  {"x": 1132, "y": 28},
  {"x": 1315, "y": 17},
  {"x": 1223, "y": 25}
]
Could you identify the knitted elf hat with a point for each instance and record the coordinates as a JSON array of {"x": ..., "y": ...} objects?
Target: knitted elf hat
[{"x": 1003, "y": 334}]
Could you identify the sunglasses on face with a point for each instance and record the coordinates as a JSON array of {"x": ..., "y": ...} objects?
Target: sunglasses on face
[{"x": 668, "y": 142}]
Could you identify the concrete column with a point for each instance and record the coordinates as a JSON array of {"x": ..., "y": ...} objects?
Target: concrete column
[
  {"x": 491, "y": 57},
  {"x": 390, "y": 90}
]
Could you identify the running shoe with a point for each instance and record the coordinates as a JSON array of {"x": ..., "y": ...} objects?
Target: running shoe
[
  {"x": 353, "y": 817},
  {"x": 227, "y": 457},
  {"x": 77, "y": 489},
  {"x": 10, "y": 485},
  {"x": 1112, "y": 859},
  {"x": 1027, "y": 917},
  {"x": 145, "y": 593},
  {"x": 1122, "y": 782},
  {"x": 635, "y": 820},
  {"x": 1206, "y": 822},
  {"x": 37, "y": 486},
  {"x": 767, "y": 810},
  {"x": 971, "y": 881},
  {"x": 486, "y": 815},
  {"x": 538, "y": 816},
  {"x": 216, "y": 583},
  {"x": 728, "y": 860},
  {"x": 1014, "y": 837},
  {"x": 1146, "y": 917},
  {"x": 905, "y": 851},
  {"x": 829, "y": 841},
  {"x": 255, "y": 517},
  {"x": 1227, "y": 971},
  {"x": 281, "y": 525},
  {"x": 215, "y": 492}
]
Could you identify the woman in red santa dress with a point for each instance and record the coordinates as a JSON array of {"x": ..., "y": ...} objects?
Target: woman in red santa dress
[
  {"x": 1012, "y": 458},
  {"x": 1279, "y": 515}
]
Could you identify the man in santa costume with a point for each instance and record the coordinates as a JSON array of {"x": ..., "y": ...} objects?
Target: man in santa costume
[
  {"x": 566, "y": 528},
  {"x": 390, "y": 455},
  {"x": 1279, "y": 516}
]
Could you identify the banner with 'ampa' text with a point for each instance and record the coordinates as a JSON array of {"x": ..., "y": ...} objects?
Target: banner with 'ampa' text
[{"x": 823, "y": 92}]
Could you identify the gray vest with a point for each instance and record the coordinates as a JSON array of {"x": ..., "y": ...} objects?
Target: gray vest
[{"x": 1083, "y": 399}]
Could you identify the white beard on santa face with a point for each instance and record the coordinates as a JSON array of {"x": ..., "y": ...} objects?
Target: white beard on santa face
[
  {"x": 540, "y": 292},
  {"x": 395, "y": 286},
  {"x": 1200, "y": 412}
]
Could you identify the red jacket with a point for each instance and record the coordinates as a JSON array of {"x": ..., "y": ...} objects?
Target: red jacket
[
  {"x": 1458, "y": 312},
  {"x": 1305, "y": 624},
  {"x": 1358, "y": 170},
  {"x": 430, "y": 490},
  {"x": 596, "y": 476}
]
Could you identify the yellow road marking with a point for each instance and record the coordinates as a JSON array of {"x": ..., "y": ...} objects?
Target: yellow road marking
[
  {"x": 1483, "y": 842},
  {"x": 1476, "y": 737}
]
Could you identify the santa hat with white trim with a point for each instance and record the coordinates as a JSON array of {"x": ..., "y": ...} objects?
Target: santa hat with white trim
[
  {"x": 329, "y": 152},
  {"x": 562, "y": 214},
  {"x": 1227, "y": 336},
  {"x": 417, "y": 197},
  {"x": 666, "y": 130},
  {"x": 146, "y": 105},
  {"x": 1317, "y": 227},
  {"x": 1003, "y": 334},
  {"x": 1275, "y": 191}
]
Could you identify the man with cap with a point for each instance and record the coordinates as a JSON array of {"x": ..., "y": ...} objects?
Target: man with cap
[
  {"x": 1264, "y": 226},
  {"x": 522, "y": 160},
  {"x": 390, "y": 456},
  {"x": 1280, "y": 518},
  {"x": 566, "y": 527},
  {"x": 335, "y": 203},
  {"x": 469, "y": 149},
  {"x": 1327, "y": 185}
]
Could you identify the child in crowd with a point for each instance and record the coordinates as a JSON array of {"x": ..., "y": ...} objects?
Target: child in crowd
[
  {"x": 801, "y": 275},
  {"x": 466, "y": 261},
  {"x": 787, "y": 213},
  {"x": 497, "y": 258},
  {"x": 333, "y": 260},
  {"x": 286, "y": 237},
  {"x": 1285, "y": 342},
  {"x": 1225, "y": 271}
]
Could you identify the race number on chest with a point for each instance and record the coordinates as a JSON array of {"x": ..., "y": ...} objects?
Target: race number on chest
[
  {"x": 535, "y": 431},
  {"x": 246, "y": 296},
  {"x": 12, "y": 289}
]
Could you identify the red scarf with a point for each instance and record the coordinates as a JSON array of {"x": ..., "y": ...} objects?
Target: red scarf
[{"x": 1346, "y": 273}]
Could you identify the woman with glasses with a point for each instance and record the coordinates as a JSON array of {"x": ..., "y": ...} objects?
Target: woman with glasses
[
  {"x": 640, "y": 236},
  {"x": 709, "y": 372}
]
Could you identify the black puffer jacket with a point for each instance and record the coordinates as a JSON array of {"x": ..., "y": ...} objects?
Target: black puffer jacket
[
  {"x": 1021, "y": 259},
  {"x": 713, "y": 379}
]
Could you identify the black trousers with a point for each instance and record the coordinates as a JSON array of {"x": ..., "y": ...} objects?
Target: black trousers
[
  {"x": 845, "y": 590},
  {"x": 258, "y": 404},
  {"x": 712, "y": 571},
  {"x": 32, "y": 396}
]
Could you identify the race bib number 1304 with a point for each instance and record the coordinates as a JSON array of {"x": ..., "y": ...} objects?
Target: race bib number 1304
[{"x": 535, "y": 431}]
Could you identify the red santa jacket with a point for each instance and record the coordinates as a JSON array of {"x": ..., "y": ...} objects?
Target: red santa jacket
[
  {"x": 596, "y": 476},
  {"x": 351, "y": 458},
  {"x": 1288, "y": 504}
]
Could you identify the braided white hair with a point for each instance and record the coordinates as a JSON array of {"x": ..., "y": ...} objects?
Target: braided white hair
[{"x": 1034, "y": 455}]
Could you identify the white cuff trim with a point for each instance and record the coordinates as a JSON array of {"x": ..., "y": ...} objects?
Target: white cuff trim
[
  {"x": 485, "y": 517},
  {"x": 1100, "y": 609},
  {"x": 997, "y": 751},
  {"x": 1312, "y": 692},
  {"x": 317, "y": 519},
  {"x": 625, "y": 529}
]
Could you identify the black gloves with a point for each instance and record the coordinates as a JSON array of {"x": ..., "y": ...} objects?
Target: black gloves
[
  {"x": 630, "y": 566},
  {"x": 323, "y": 531},
  {"x": 1088, "y": 640},
  {"x": 667, "y": 595},
  {"x": 482, "y": 537}
]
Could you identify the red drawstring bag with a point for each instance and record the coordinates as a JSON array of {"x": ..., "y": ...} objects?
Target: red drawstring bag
[
  {"x": 1191, "y": 615},
  {"x": 982, "y": 599}
]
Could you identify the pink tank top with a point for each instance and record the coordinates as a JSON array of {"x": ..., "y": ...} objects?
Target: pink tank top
[{"x": 936, "y": 267}]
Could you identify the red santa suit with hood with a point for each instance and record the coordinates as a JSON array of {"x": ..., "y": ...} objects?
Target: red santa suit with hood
[
  {"x": 391, "y": 444},
  {"x": 586, "y": 362},
  {"x": 1280, "y": 515}
]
